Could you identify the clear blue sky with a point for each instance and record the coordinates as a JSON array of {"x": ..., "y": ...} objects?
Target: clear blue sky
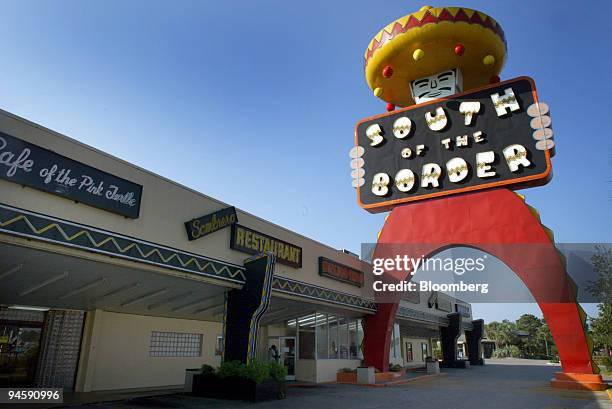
[{"x": 254, "y": 103}]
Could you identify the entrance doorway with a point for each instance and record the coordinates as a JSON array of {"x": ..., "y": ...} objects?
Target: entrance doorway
[
  {"x": 287, "y": 356},
  {"x": 286, "y": 353}
]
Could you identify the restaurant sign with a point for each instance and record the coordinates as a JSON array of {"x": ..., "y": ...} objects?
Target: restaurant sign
[
  {"x": 210, "y": 223},
  {"x": 253, "y": 242},
  {"x": 331, "y": 269},
  {"x": 31, "y": 165}
]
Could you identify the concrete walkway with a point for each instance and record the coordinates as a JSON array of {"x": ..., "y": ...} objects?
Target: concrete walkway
[{"x": 506, "y": 385}]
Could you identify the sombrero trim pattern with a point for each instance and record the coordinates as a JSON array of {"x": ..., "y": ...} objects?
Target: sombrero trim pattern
[{"x": 432, "y": 16}]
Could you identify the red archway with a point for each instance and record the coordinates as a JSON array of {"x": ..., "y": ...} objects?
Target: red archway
[{"x": 490, "y": 221}]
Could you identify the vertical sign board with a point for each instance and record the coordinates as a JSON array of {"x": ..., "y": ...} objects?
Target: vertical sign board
[
  {"x": 33, "y": 166},
  {"x": 245, "y": 307}
]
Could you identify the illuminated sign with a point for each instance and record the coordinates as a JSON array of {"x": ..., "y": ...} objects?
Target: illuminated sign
[
  {"x": 31, "y": 165},
  {"x": 253, "y": 242},
  {"x": 495, "y": 136},
  {"x": 331, "y": 269},
  {"x": 211, "y": 223}
]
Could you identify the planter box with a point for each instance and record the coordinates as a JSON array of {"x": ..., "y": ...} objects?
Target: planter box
[
  {"x": 389, "y": 376},
  {"x": 234, "y": 388},
  {"x": 433, "y": 367},
  {"x": 346, "y": 377},
  {"x": 366, "y": 375},
  {"x": 189, "y": 378}
]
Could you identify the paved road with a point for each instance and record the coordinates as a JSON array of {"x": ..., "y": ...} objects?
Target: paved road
[{"x": 498, "y": 386}]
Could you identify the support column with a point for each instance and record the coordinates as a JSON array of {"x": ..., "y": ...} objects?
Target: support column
[
  {"x": 89, "y": 346},
  {"x": 377, "y": 336},
  {"x": 472, "y": 339},
  {"x": 448, "y": 339}
]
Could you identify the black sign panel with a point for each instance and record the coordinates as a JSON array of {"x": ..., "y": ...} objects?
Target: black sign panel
[
  {"x": 426, "y": 152},
  {"x": 30, "y": 165},
  {"x": 210, "y": 223},
  {"x": 332, "y": 269},
  {"x": 253, "y": 242}
]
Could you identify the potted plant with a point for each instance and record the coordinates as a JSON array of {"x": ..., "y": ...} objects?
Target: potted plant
[
  {"x": 346, "y": 375},
  {"x": 189, "y": 373},
  {"x": 235, "y": 380}
]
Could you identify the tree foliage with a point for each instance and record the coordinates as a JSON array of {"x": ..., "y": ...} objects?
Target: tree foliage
[
  {"x": 601, "y": 327},
  {"x": 601, "y": 288},
  {"x": 528, "y": 337}
]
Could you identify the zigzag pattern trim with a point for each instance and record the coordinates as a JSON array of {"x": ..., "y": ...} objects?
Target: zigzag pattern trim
[
  {"x": 24, "y": 223},
  {"x": 432, "y": 16},
  {"x": 288, "y": 286}
]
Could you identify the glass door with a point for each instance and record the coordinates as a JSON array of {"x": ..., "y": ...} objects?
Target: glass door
[{"x": 288, "y": 356}]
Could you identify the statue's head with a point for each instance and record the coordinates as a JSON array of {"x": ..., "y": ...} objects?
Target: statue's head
[{"x": 434, "y": 53}]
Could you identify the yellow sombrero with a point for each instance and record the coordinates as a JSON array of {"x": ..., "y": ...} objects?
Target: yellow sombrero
[{"x": 430, "y": 41}]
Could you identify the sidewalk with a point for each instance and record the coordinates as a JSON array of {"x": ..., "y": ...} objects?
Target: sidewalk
[{"x": 509, "y": 385}]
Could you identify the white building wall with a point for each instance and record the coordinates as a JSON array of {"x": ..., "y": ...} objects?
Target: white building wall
[{"x": 115, "y": 352}]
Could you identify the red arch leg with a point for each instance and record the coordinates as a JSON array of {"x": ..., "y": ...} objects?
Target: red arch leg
[{"x": 495, "y": 221}]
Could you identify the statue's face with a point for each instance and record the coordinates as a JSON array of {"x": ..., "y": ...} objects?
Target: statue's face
[{"x": 440, "y": 85}]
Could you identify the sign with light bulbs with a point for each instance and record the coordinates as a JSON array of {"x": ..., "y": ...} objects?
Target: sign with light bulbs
[{"x": 495, "y": 136}]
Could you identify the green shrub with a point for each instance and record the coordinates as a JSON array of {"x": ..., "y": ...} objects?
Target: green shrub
[
  {"x": 207, "y": 369},
  {"x": 604, "y": 361},
  {"x": 277, "y": 371},
  {"x": 511, "y": 351},
  {"x": 347, "y": 370},
  {"x": 257, "y": 371},
  {"x": 395, "y": 368},
  {"x": 231, "y": 368}
]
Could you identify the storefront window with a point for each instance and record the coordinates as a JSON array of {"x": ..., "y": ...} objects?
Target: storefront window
[
  {"x": 343, "y": 341},
  {"x": 322, "y": 337},
  {"x": 353, "y": 340},
  {"x": 359, "y": 340},
  {"x": 333, "y": 336},
  {"x": 306, "y": 337},
  {"x": 338, "y": 337}
]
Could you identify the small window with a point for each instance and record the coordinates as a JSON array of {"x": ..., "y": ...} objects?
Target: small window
[
  {"x": 424, "y": 351},
  {"x": 219, "y": 347},
  {"x": 175, "y": 344}
]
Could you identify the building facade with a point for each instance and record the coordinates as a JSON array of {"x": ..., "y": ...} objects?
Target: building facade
[{"x": 112, "y": 277}]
